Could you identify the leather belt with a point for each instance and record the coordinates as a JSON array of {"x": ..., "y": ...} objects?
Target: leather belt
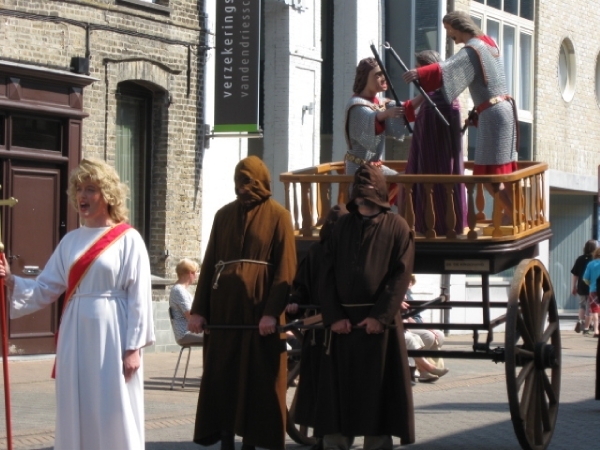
[
  {"x": 356, "y": 160},
  {"x": 491, "y": 102}
]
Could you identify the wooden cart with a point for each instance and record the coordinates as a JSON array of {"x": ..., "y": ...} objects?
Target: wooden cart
[{"x": 532, "y": 350}]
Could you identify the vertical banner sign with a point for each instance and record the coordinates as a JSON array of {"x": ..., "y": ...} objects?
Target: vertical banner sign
[{"x": 237, "y": 65}]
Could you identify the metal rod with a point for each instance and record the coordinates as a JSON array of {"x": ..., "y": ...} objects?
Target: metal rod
[
  {"x": 389, "y": 83},
  {"x": 466, "y": 354},
  {"x": 387, "y": 46},
  {"x": 3, "y": 319}
]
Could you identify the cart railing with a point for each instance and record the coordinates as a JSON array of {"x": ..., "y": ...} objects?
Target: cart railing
[{"x": 310, "y": 193}]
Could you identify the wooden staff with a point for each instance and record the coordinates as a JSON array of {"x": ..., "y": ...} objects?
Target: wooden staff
[{"x": 4, "y": 323}]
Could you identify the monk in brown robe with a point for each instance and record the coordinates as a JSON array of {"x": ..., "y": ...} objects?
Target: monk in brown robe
[
  {"x": 305, "y": 291},
  {"x": 245, "y": 278},
  {"x": 367, "y": 271}
]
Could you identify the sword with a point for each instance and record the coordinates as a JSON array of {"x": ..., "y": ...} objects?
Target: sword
[
  {"x": 387, "y": 46},
  {"x": 470, "y": 117},
  {"x": 389, "y": 83}
]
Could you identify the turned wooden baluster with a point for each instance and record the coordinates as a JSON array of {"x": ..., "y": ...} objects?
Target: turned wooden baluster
[
  {"x": 409, "y": 210},
  {"x": 296, "y": 209},
  {"x": 543, "y": 197},
  {"x": 429, "y": 212},
  {"x": 343, "y": 193},
  {"x": 497, "y": 212},
  {"x": 471, "y": 216},
  {"x": 480, "y": 202},
  {"x": 450, "y": 213},
  {"x": 518, "y": 206},
  {"x": 515, "y": 214},
  {"x": 539, "y": 199},
  {"x": 307, "y": 219},
  {"x": 323, "y": 202},
  {"x": 286, "y": 190},
  {"x": 533, "y": 201}
]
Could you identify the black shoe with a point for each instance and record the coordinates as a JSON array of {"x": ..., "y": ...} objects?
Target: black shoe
[
  {"x": 227, "y": 441},
  {"x": 248, "y": 447},
  {"x": 586, "y": 332},
  {"x": 578, "y": 327}
]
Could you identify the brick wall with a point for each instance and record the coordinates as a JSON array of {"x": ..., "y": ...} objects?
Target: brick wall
[
  {"x": 567, "y": 133},
  {"x": 159, "y": 50}
]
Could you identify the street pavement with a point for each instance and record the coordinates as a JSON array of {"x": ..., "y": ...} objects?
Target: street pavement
[{"x": 466, "y": 409}]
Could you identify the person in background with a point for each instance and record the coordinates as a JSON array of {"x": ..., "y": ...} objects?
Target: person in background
[
  {"x": 104, "y": 271},
  {"x": 580, "y": 288},
  {"x": 180, "y": 302},
  {"x": 436, "y": 149},
  {"x": 478, "y": 67},
  {"x": 430, "y": 369},
  {"x": 590, "y": 276},
  {"x": 245, "y": 279}
]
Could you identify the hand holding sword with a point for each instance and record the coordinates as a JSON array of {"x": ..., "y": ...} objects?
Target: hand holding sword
[
  {"x": 411, "y": 76},
  {"x": 389, "y": 83}
]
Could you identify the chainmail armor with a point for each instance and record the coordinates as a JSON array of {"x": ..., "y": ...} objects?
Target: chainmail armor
[
  {"x": 359, "y": 130},
  {"x": 479, "y": 67}
]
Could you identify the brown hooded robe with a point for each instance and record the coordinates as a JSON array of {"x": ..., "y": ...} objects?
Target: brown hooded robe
[
  {"x": 244, "y": 380},
  {"x": 367, "y": 270}
]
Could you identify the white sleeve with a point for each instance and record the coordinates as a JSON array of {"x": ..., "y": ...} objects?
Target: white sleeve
[
  {"x": 31, "y": 295},
  {"x": 138, "y": 284}
]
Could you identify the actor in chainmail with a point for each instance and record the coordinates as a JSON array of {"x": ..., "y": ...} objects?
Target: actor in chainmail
[
  {"x": 369, "y": 120},
  {"x": 477, "y": 66}
]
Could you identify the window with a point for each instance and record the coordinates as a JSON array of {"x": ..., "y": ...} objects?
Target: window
[
  {"x": 412, "y": 26},
  {"x": 134, "y": 106},
  {"x": 519, "y": 8},
  {"x": 32, "y": 132},
  {"x": 37, "y": 133},
  {"x": 566, "y": 70}
]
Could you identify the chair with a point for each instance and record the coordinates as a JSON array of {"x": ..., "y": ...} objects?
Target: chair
[{"x": 183, "y": 347}]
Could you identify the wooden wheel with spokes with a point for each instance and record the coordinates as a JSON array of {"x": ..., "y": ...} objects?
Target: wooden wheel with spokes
[
  {"x": 532, "y": 355},
  {"x": 298, "y": 433}
]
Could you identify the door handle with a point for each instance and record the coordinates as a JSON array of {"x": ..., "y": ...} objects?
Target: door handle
[
  {"x": 11, "y": 257},
  {"x": 32, "y": 270}
]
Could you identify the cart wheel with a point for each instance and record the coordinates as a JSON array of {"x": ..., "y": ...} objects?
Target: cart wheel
[
  {"x": 298, "y": 433},
  {"x": 532, "y": 355}
]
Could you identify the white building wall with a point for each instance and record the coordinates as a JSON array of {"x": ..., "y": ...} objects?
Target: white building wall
[
  {"x": 292, "y": 87},
  {"x": 222, "y": 154},
  {"x": 357, "y": 23}
]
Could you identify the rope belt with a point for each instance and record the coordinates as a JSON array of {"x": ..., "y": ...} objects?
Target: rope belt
[
  {"x": 221, "y": 265},
  {"x": 356, "y": 160},
  {"x": 491, "y": 102}
]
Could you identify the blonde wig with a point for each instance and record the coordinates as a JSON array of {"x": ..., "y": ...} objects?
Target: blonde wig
[{"x": 106, "y": 177}]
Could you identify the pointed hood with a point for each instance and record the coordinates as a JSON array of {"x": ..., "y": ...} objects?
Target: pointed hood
[
  {"x": 369, "y": 183},
  {"x": 252, "y": 174}
]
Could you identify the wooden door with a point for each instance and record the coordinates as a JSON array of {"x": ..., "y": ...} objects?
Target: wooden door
[{"x": 33, "y": 229}]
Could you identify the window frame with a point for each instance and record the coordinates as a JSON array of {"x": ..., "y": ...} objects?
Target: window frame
[
  {"x": 134, "y": 90},
  {"x": 521, "y": 26}
]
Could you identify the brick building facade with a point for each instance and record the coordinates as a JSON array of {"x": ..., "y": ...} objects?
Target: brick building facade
[{"x": 143, "y": 105}]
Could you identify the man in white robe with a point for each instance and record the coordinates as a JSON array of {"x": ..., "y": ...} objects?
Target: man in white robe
[{"x": 109, "y": 313}]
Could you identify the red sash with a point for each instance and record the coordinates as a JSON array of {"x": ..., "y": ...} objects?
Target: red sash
[{"x": 84, "y": 262}]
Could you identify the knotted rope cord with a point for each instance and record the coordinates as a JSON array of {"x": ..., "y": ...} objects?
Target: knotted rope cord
[{"x": 219, "y": 266}]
